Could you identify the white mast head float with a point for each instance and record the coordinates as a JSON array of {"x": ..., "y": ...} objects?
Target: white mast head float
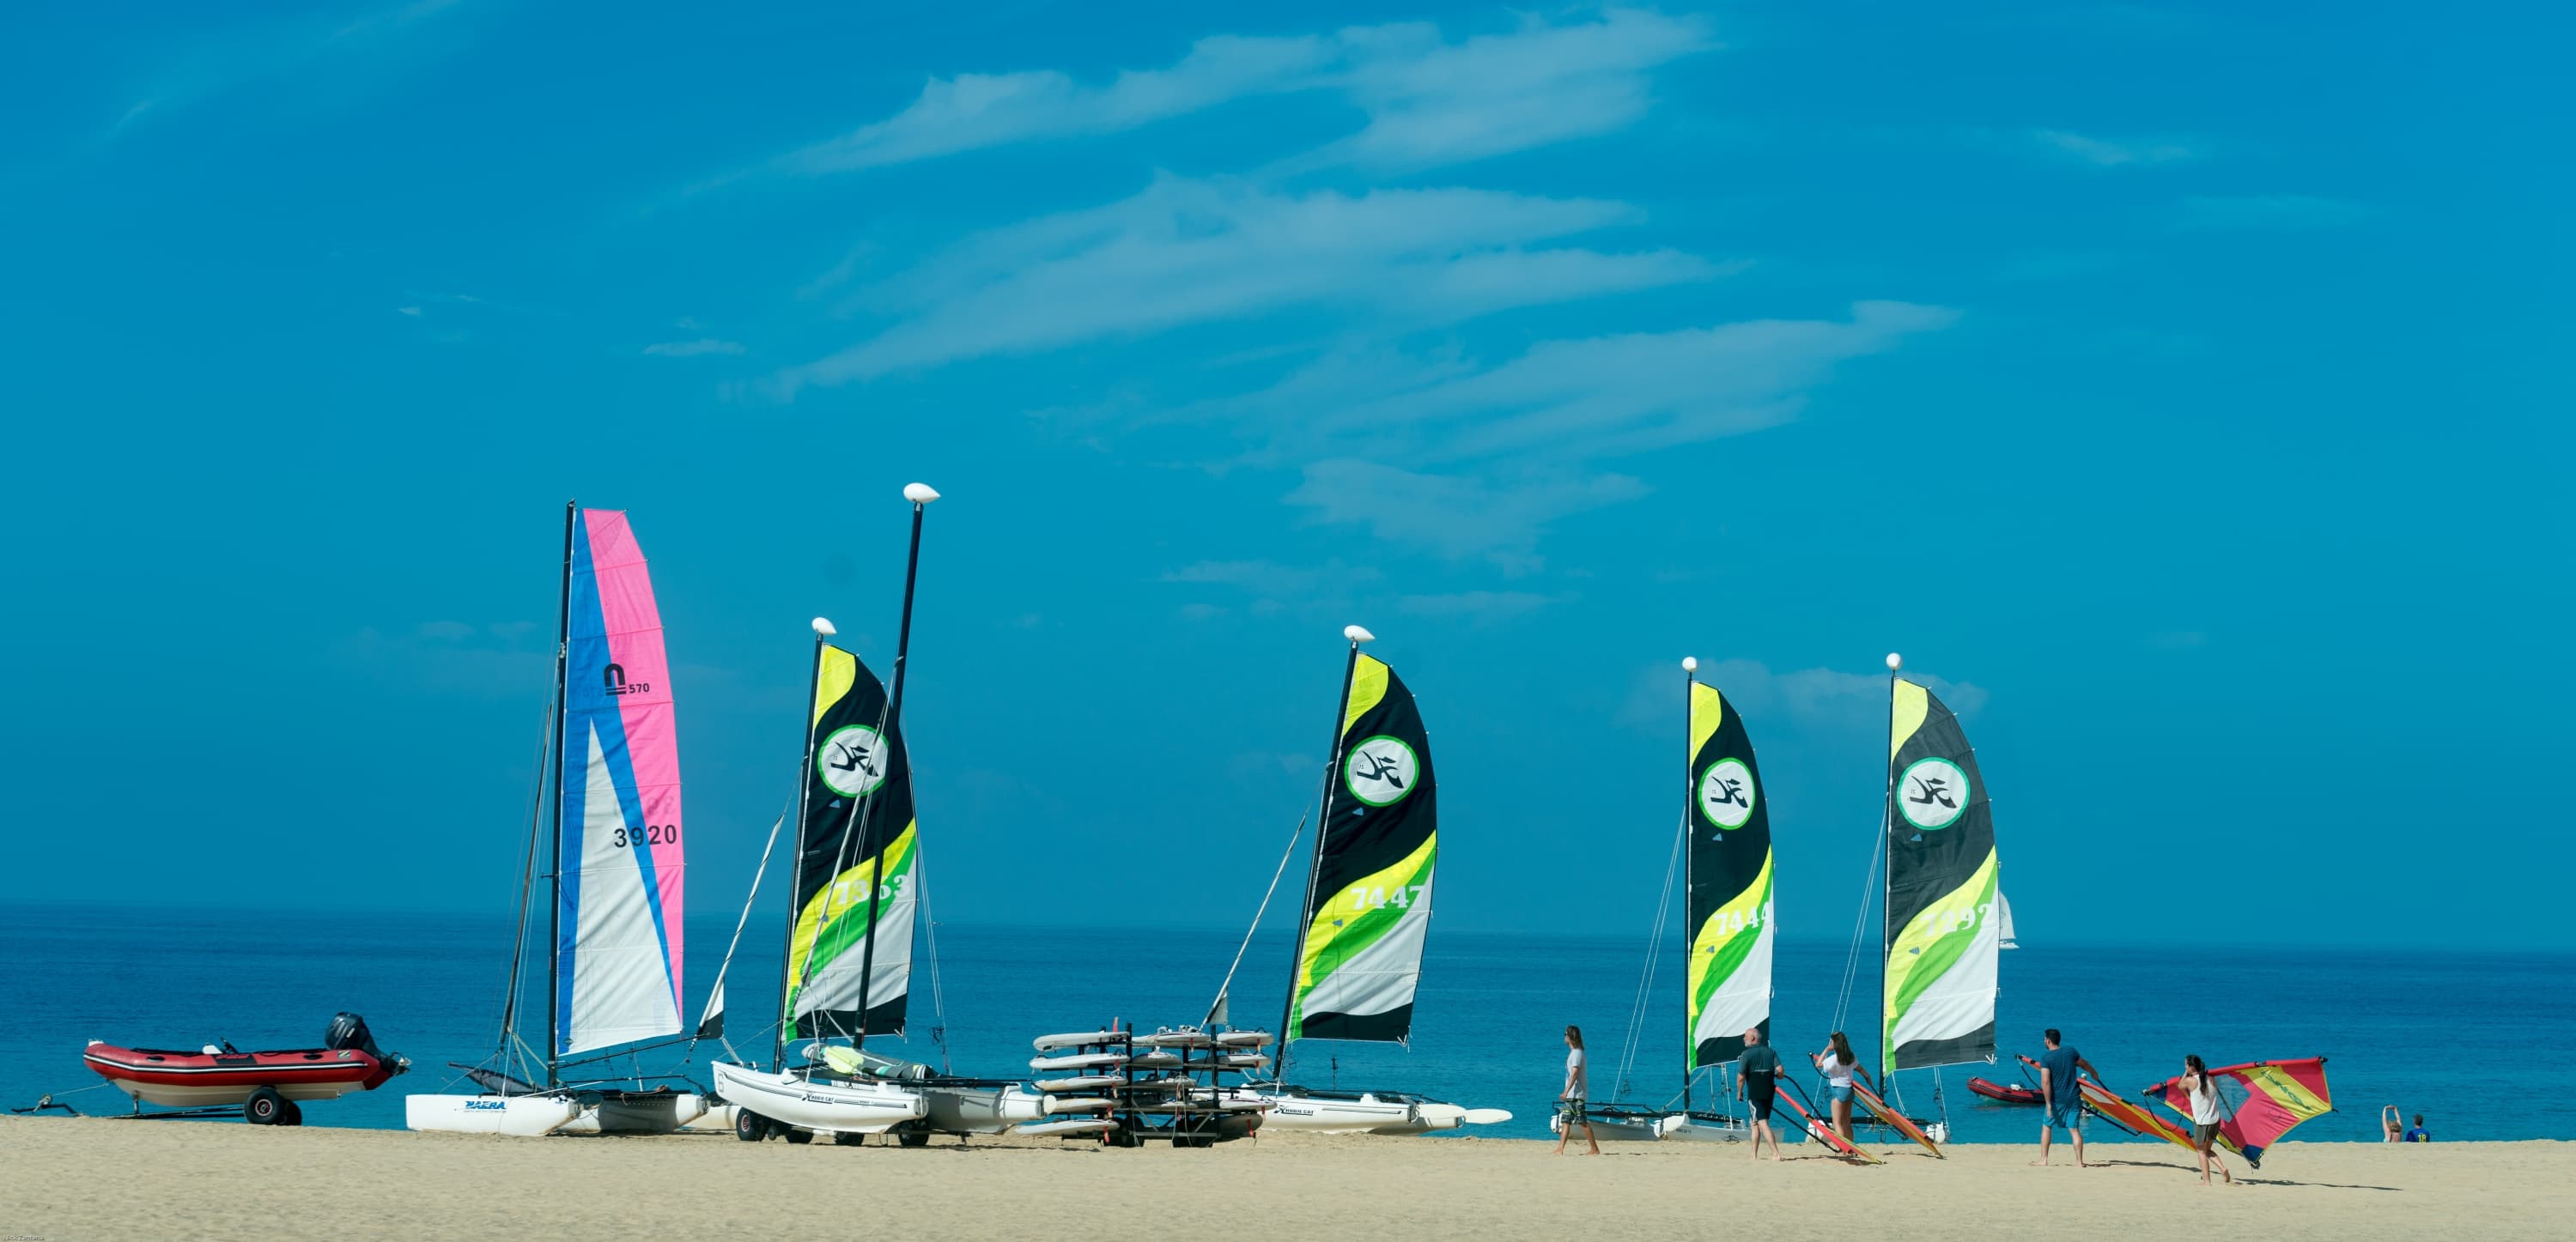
[
  {"x": 823, "y": 627},
  {"x": 1358, "y": 634},
  {"x": 920, "y": 493},
  {"x": 1690, "y": 664},
  {"x": 1894, "y": 661}
]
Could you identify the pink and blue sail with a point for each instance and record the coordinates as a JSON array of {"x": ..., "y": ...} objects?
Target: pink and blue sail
[{"x": 620, "y": 854}]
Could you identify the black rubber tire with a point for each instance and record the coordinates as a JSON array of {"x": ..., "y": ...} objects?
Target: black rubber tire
[
  {"x": 847, "y": 1139},
  {"x": 914, "y": 1138},
  {"x": 749, "y": 1126},
  {"x": 264, "y": 1107},
  {"x": 293, "y": 1116},
  {"x": 796, "y": 1136}
]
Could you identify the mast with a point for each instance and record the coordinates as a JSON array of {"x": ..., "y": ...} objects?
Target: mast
[
  {"x": 1690, "y": 1037},
  {"x": 554, "y": 848},
  {"x": 1886, "y": 879},
  {"x": 1315, "y": 861},
  {"x": 920, "y": 494},
  {"x": 823, "y": 633}
]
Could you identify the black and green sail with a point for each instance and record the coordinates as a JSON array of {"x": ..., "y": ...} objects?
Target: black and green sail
[
  {"x": 1730, "y": 927},
  {"x": 1369, "y": 909},
  {"x": 854, "y": 863},
  {"x": 1943, "y": 944}
]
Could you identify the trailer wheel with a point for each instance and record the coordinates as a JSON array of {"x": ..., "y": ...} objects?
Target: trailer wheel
[
  {"x": 796, "y": 1136},
  {"x": 914, "y": 1138},
  {"x": 846, "y": 1138},
  {"x": 292, "y": 1115},
  {"x": 264, "y": 1107},
  {"x": 749, "y": 1126}
]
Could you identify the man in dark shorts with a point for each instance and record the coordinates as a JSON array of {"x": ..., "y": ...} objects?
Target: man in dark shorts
[
  {"x": 2059, "y": 1093},
  {"x": 1757, "y": 1075}
]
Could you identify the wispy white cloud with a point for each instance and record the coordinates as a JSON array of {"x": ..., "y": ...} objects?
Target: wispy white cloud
[
  {"x": 1271, "y": 578},
  {"x": 1427, "y": 100},
  {"x": 2268, "y": 211},
  {"x": 692, "y": 349},
  {"x": 1822, "y": 701},
  {"x": 1499, "y": 516},
  {"x": 2118, "y": 152},
  {"x": 1187, "y": 251},
  {"x": 279, "y": 49},
  {"x": 1477, "y": 607}
]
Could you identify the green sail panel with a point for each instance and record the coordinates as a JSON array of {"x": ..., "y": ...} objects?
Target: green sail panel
[
  {"x": 1361, "y": 951},
  {"x": 1943, "y": 924},
  {"x": 1729, "y": 982},
  {"x": 857, "y": 844}
]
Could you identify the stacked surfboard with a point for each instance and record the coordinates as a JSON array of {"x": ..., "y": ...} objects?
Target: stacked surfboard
[{"x": 1183, "y": 1086}]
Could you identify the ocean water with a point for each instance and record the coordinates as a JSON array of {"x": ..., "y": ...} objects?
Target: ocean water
[{"x": 2450, "y": 1035}]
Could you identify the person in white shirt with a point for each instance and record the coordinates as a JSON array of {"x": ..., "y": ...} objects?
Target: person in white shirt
[
  {"x": 1569, "y": 1101},
  {"x": 1839, "y": 1065},
  {"x": 2207, "y": 1110}
]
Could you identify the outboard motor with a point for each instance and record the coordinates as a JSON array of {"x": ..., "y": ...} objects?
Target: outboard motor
[{"x": 349, "y": 1031}]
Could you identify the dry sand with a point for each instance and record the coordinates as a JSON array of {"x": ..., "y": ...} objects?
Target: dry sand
[{"x": 63, "y": 1178}]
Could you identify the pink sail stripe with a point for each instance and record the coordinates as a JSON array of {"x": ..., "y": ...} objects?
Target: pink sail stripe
[{"x": 634, "y": 627}]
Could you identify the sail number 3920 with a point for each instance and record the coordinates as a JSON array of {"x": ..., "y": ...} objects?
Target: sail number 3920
[{"x": 649, "y": 834}]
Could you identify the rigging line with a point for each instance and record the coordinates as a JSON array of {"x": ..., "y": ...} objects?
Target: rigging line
[
  {"x": 930, "y": 931},
  {"x": 1860, "y": 931},
  {"x": 527, "y": 867},
  {"x": 1266, "y": 895},
  {"x": 738, "y": 925},
  {"x": 1639, "y": 1005}
]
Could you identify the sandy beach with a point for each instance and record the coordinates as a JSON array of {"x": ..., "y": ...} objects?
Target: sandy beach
[{"x": 95, "y": 1178}]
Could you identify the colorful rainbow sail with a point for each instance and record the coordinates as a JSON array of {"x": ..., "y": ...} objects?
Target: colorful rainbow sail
[
  {"x": 1730, "y": 884},
  {"x": 1943, "y": 941},
  {"x": 1369, "y": 906},
  {"x": 2263, "y": 1099},
  {"x": 858, "y": 826},
  {"x": 619, "y": 857}
]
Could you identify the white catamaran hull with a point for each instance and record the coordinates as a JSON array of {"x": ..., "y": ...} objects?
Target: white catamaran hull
[
  {"x": 1658, "y": 1127},
  {"x": 718, "y": 1119},
  {"x": 982, "y": 1110},
  {"x": 659, "y": 1114},
  {"x": 824, "y": 1107},
  {"x": 1368, "y": 1114},
  {"x": 522, "y": 1116}
]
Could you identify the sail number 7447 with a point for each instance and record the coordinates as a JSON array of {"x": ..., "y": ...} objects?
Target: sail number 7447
[{"x": 1379, "y": 897}]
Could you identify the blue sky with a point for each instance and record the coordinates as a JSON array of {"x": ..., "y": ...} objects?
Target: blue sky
[{"x": 2181, "y": 389}]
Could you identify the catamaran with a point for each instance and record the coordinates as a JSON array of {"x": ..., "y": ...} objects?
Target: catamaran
[
  {"x": 853, "y": 902},
  {"x": 613, "y": 867},
  {"x": 1367, "y": 913}
]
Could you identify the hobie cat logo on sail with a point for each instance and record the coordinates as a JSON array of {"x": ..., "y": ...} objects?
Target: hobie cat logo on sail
[
  {"x": 1932, "y": 793},
  {"x": 851, "y": 761},
  {"x": 1381, "y": 771},
  {"x": 1726, "y": 794},
  {"x": 613, "y": 680}
]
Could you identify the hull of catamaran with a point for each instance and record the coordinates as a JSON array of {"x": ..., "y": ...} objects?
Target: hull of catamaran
[
  {"x": 982, "y": 1110},
  {"x": 818, "y": 1105},
  {"x": 1366, "y": 1112},
  {"x": 718, "y": 1119},
  {"x": 523, "y": 1116},
  {"x": 639, "y": 1113},
  {"x": 1640, "y": 1127}
]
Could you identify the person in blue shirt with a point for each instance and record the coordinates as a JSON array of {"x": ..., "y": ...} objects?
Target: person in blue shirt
[
  {"x": 1757, "y": 1075},
  {"x": 2059, "y": 1094},
  {"x": 2417, "y": 1135}
]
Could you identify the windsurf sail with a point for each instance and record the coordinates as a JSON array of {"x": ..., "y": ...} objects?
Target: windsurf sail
[
  {"x": 1369, "y": 906},
  {"x": 619, "y": 856},
  {"x": 1942, "y": 941},
  {"x": 855, "y": 860},
  {"x": 2129, "y": 1115},
  {"x": 1729, "y": 984},
  {"x": 2263, "y": 1100}
]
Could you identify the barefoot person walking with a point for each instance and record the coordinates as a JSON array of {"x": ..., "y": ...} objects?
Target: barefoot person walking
[
  {"x": 2206, "y": 1112},
  {"x": 1569, "y": 1101},
  {"x": 2058, "y": 1090},
  {"x": 1839, "y": 1065},
  {"x": 1757, "y": 1075}
]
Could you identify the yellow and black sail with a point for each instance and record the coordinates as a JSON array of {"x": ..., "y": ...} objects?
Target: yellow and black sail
[
  {"x": 1943, "y": 945},
  {"x": 1369, "y": 907},
  {"x": 1731, "y": 938},
  {"x": 854, "y": 867}
]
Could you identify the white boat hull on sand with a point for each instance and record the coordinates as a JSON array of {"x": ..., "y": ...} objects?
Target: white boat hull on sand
[
  {"x": 718, "y": 1119},
  {"x": 660, "y": 1113},
  {"x": 522, "y": 1116},
  {"x": 1368, "y": 1113},
  {"x": 1656, "y": 1127},
  {"x": 821, "y": 1106},
  {"x": 982, "y": 1110}
]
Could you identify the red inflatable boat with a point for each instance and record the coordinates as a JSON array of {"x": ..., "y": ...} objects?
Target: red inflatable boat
[
  {"x": 266, "y": 1085},
  {"x": 2008, "y": 1095}
]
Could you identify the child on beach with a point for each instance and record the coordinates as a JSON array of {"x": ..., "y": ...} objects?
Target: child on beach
[
  {"x": 1569, "y": 1101},
  {"x": 2205, "y": 1116},
  {"x": 1757, "y": 1079},
  {"x": 1839, "y": 1065}
]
